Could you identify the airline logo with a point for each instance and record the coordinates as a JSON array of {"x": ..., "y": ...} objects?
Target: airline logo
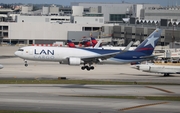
[
  {"x": 151, "y": 41},
  {"x": 44, "y": 54},
  {"x": 148, "y": 45}
]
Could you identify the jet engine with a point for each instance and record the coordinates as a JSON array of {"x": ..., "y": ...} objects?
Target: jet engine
[{"x": 74, "y": 61}]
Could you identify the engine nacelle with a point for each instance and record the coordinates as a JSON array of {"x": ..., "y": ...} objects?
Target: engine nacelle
[{"x": 74, "y": 61}]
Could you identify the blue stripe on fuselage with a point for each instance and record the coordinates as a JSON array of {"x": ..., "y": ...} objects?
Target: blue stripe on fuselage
[{"x": 129, "y": 55}]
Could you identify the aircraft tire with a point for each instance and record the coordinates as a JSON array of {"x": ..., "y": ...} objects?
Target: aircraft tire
[
  {"x": 88, "y": 68},
  {"x": 92, "y": 67},
  {"x": 83, "y": 67},
  {"x": 166, "y": 74},
  {"x": 26, "y": 65}
]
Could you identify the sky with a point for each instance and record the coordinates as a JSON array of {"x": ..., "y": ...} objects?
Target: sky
[{"x": 67, "y": 2}]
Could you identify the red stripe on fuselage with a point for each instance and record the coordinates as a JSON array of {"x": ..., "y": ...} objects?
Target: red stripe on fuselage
[{"x": 143, "y": 49}]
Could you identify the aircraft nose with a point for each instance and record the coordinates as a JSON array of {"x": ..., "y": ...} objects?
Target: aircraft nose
[
  {"x": 135, "y": 67},
  {"x": 16, "y": 53}
]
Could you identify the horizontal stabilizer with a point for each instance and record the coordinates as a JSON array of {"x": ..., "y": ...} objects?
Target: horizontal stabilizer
[{"x": 150, "y": 57}]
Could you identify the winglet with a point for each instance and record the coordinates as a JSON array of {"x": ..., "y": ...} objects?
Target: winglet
[
  {"x": 98, "y": 44},
  {"x": 128, "y": 46}
]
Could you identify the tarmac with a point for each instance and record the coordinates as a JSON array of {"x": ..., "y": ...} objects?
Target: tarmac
[{"x": 65, "y": 98}]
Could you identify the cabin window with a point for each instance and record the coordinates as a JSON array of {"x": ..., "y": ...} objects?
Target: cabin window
[{"x": 20, "y": 49}]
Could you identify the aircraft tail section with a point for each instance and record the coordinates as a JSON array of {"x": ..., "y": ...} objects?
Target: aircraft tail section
[{"x": 148, "y": 45}]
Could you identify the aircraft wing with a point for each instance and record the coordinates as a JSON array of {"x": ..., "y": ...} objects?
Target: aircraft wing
[{"x": 99, "y": 58}]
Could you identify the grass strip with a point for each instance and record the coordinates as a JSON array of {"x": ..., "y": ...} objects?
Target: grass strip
[
  {"x": 167, "y": 98},
  {"x": 85, "y": 82}
]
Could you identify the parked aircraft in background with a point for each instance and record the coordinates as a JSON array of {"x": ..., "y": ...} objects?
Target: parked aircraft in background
[
  {"x": 86, "y": 42},
  {"x": 162, "y": 69},
  {"x": 93, "y": 41},
  {"x": 89, "y": 56},
  {"x": 4, "y": 57},
  {"x": 72, "y": 45},
  {"x": 1, "y": 66}
]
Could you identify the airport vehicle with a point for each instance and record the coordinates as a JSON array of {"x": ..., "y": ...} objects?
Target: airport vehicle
[
  {"x": 162, "y": 69},
  {"x": 89, "y": 56}
]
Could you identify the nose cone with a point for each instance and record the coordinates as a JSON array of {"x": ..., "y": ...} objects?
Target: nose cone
[
  {"x": 135, "y": 67},
  {"x": 1, "y": 66},
  {"x": 16, "y": 53}
]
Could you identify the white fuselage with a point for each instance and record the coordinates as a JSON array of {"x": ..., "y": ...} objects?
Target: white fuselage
[
  {"x": 57, "y": 54},
  {"x": 50, "y": 54},
  {"x": 152, "y": 68}
]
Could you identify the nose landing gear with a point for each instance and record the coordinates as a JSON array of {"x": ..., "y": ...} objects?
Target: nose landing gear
[{"x": 26, "y": 64}]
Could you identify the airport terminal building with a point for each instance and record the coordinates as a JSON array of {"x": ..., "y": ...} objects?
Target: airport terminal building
[{"x": 51, "y": 24}]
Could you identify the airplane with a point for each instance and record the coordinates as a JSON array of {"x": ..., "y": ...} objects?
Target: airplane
[
  {"x": 93, "y": 41},
  {"x": 1, "y": 66},
  {"x": 89, "y": 56},
  {"x": 3, "y": 57},
  {"x": 85, "y": 42},
  {"x": 97, "y": 45},
  {"x": 72, "y": 45},
  {"x": 162, "y": 69}
]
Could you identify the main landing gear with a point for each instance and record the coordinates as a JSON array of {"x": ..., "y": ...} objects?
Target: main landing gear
[
  {"x": 26, "y": 64},
  {"x": 166, "y": 74},
  {"x": 87, "y": 67}
]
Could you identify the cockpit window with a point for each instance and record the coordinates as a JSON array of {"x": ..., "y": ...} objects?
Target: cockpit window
[{"x": 20, "y": 49}]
